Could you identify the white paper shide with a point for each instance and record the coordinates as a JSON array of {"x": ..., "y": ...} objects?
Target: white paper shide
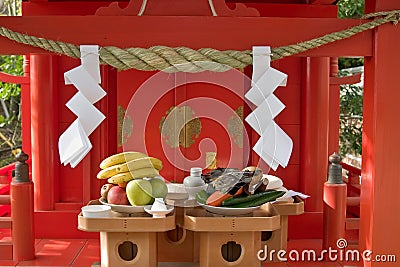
[
  {"x": 274, "y": 146},
  {"x": 74, "y": 143}
]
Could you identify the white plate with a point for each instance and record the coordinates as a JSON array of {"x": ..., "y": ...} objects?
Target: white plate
[
  {"x": 229, "y": 211},
  {"x": 123, "y": 208}
]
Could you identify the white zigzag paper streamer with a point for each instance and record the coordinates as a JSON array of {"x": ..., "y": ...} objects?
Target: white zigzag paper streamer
[
  {"x": 74, "y": 143},
  {"x": 274, "y": 145}
]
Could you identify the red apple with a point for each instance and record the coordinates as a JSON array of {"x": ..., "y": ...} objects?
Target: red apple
[{"x": 117, "y": 196}]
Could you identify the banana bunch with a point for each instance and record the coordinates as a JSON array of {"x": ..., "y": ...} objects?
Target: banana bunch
[{"x": 126, "y": 166}]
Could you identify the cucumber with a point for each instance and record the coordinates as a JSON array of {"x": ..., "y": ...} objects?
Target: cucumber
[
  {"x": 259, "y": 201},
  {"x": 240, "y": 199},
  {"x": 202, "y": 196}
]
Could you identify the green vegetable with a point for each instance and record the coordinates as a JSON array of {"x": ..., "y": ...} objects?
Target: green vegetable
[
  {"x": 242, "y": 199},
  {"x": 202, "y": 196},
  {"x": 254, "y": 202}
]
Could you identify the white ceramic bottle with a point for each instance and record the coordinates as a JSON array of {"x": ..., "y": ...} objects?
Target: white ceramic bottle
[{"x": 194, "y": 180}]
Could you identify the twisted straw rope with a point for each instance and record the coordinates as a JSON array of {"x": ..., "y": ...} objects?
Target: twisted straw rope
[{"x": 189, "y": 60}]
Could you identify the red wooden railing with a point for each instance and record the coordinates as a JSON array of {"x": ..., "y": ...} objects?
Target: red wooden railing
[
  {"x": 21, "y": 204},
  {"x": 352, "y": 178},
  {"x": 5, "y": 211},
  {"x": 5, "y": 180}
]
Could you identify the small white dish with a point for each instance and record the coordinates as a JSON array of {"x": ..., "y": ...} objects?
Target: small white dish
[
  {"x": 193, "y": 190},
  {"x": 158, "y": 213},
  {"x": 96, "y": 211}
]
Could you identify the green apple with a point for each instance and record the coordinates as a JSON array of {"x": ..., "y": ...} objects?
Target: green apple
[
  {"x": 159, "y": 188},
  {"x": 139, "y": 192}
]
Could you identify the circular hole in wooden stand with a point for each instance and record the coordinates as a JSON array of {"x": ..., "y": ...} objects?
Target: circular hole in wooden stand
[
  {"x": 231, "y": 251},
  {"x": 176, "y": 235},
  {"x": 266, "y": 235},
  {"x": 127, "y": 250}
]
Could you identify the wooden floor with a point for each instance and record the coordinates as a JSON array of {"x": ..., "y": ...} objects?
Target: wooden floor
[{"x": 86, "y": 252}]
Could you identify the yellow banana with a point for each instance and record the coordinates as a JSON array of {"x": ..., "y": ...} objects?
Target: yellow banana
[
  {"x": 121, "y": 158},
  {"x": 120, "y": 178},
  {"x": 108, "y": 172},
  {"x": 146, "y": 162},
  {"x": 133, "y": 174}
]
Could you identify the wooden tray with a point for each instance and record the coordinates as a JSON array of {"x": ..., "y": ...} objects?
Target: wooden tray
[
  {"x": 136, "y": 222},
  {"x": 199, "y": 220},
  {"x": 295, "y": 208}
]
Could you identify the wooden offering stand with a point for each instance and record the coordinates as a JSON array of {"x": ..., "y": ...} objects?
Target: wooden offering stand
[
  {"x": 209, "y": 239},
  {"x": 127, "y": 241},
  {"x": 230, "y": 241}
]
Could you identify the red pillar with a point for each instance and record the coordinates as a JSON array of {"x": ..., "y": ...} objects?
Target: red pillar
[
  {"x": 44, "y": 129},
  {"x": 379, "y": 223},
  {"x": 23, "y": 234},
  {"x": 26, "y": 109},
  {"x": 314, "y": 130},
  {"x": 334, "y": 214},
  {"x": 334, "y": 109}
]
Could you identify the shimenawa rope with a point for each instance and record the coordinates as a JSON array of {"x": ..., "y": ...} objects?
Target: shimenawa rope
[{"x": 189, "y": 60}]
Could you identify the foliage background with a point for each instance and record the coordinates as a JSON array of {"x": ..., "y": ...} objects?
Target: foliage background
[
  {"x": 10, "y": 100},
  {"x": 351, "y": 96},
  {"x": 10, "y": 115}
]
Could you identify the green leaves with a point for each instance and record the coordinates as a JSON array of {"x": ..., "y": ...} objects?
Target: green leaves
[
  {"x": 350, "y": 8},
  {"x": 351, "y": 96},
  {"x": 351, "y": 121},
  {"x": 10, "y": 8},
  {"x": 10, "y": 100},
  {"x": 11, "y": 65}
]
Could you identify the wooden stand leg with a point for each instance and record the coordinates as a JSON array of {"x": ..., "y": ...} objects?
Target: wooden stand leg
[
  {"x": 277, "y": 240},
  {"x": 238, "y": 248},
  {"x": 284, "y": 231},
  {"x": 176, "y": 246},
  {"x": 139, "y": 250}
]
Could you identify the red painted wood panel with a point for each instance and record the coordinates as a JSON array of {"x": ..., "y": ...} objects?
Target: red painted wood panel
[
  {"x": 214, "y": 126},
  {"x": 293, "y": 10},
  {"x": 59, "y": 224},
  {"x": 226, "y": 33},
  {"x": 266, "y": 9},
  {"x": 151, "y": 99},
  {"x": 42, "y": 8},
  {"x": 306, "y": 226},
  {"x": 216, "y": 105},
  {"x": 380, "y": 168}
]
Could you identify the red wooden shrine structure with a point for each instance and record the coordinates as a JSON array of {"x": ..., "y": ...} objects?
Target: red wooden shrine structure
[{"x": 311, "y": 98}]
